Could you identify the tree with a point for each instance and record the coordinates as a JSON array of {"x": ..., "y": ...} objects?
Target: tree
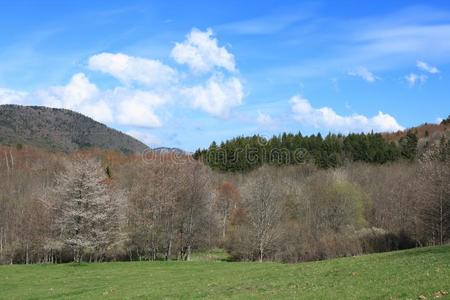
[
  {"x": 409, "y": 146},
  {"x": 87, "y": 215},
  {"x": 336, "y": 204},
  {"x": 191, "y": 208},
  {"x": 262, "y": 197},
  {"x": 433, "y": 184},
  {"x": 446, "y": 121},
  {"x": 227, "y": 197}
]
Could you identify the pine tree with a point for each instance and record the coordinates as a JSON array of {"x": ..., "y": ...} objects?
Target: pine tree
[{"x": 409, "y": 146}]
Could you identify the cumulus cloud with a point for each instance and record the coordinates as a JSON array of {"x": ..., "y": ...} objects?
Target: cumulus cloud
[
  {"x": 100, "y": 111},
  {"x": 364, "y": 74},
  {"x": 426, "y": 67},
  {"x": 414, "y": 79},
  {"x": 8, "y": 96},
  {"x": 78, "y": 91},
  {"x": 79, "y": 94},
  {"x": 137, "y": 107},
  {"x": 328, "y": 119},
  {"x": 126, "y": 106},
  {"x": 130, "y": 69},
  {"x": 217, "y": 96},
  {"x": 147, "y": 86},
  {"x": 201, "y": 52},
  {"x": 145, "y": 137},
  {"x": 264, "y": 119}
]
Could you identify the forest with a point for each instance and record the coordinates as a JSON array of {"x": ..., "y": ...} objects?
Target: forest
[
  {"x": 335, "y": 150},
  {"x": 344, "y": 196}
]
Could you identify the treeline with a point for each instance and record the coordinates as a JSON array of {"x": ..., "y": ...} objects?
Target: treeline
[
  {"x": 96, "y": 206},
  {"x": 295, "y": 214},
  {"x": 333, "y": 150},
  {"x": 103, "y": 206}
]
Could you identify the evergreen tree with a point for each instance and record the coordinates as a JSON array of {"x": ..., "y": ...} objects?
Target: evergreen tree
[
  {"x": 409, "y": 146},
  {"x": 247, "y": 153}
]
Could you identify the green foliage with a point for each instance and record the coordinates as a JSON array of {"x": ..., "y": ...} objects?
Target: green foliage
[
  {"x": 395, "y": 275},
  {"x": 352, "y": 201},
  {"x": 246, "y": 153},
  {"x": 408, "y": 146}
]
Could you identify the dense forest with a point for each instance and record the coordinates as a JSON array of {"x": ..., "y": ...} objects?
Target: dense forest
[
  {"x": 331, "y": 151},
  {"x": 348, "y": 195}
]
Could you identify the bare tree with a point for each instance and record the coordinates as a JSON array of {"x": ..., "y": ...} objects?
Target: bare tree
[
  {"x": 226, "y": 200},
  {"x": 433, "y": 188},
  {"x": 262, "y": 197}
]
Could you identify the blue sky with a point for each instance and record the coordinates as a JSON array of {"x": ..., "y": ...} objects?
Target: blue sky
[{"x": 185, "y": 73}]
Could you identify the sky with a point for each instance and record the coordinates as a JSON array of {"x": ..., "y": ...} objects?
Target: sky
[{"x": 185, "y": 73}]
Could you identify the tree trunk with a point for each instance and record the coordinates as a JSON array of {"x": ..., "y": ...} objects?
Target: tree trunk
[
  {"x": 261, "y": 252},
  {"x": 441, "y": 235},
  {"x": 26, "y": 254},
  {"x": 224, "y": 227},
  {"x": 169, "y": 250}
]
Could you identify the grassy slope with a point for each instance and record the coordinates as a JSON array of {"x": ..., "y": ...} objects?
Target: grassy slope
[{"x": 395, "y": 275}]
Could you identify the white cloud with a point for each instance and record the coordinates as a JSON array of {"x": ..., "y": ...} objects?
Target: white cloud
[
  {"x": 217, "y": 96},
  {"x": 328, "y": 119},
  {"x": 130, "y": 69},
  {"x": 137, "y": 114},
  {"x": 264, "y": 119},
  {"x": 426, "y": 67},
  {"x": 99, "y": 111},
  {"x": 363, "y": 73},
  {"x": 79, "y": 95},
  {"x": 146, "y": 138},
  {"x": 8, "y": 96},
  {"x": 78, "y": 91},
  {"x": 201, "y": 52},
  {"x": 126, "y": 106},
  {"x": 386, "y": 42},
  {"x": 414, "y": 79},
  {"x": 137, "y": 108},
  {"x": 147, "y": 86}
]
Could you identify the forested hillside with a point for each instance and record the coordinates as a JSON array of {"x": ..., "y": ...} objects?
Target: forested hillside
[
  {"x": 333, "y": 150},
  {"x": 300, "y": 198},
  {"x": 60, "y": 130},
  {"x": 99, "y": 205}
]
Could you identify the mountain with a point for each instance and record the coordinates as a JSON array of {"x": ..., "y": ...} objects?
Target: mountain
[
  {"x": 161, "y": 150},
  {"x": 60, "y": 130}
]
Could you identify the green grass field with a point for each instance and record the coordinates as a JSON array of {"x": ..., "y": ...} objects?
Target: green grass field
[{"x": 395, "y": 275}]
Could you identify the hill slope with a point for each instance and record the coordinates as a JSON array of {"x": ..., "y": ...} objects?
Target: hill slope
[
  {"x": 395, "y": 275},
  {"x": 60, "y": 130},
  {"x": 429, "y": 132}
]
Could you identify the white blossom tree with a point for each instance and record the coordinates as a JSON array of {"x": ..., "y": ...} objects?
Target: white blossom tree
[{"x": 87, "y": 215}]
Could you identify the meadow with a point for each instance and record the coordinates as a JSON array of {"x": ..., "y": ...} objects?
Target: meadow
[{"x": 410, "y": 274}]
